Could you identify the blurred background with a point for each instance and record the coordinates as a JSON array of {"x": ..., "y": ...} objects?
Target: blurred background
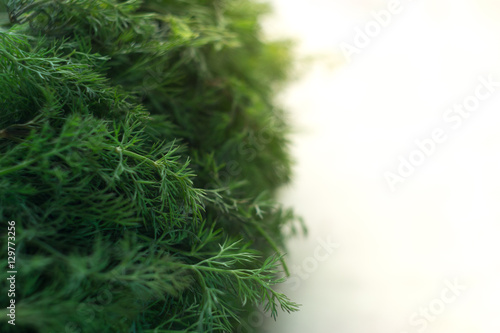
[{"x": 403, "y": 237}]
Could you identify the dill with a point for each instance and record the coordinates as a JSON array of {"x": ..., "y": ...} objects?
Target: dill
[{"x": 140, "y": 154}]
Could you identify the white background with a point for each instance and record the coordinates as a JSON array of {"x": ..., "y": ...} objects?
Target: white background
[{"x": 352, "y": 120}]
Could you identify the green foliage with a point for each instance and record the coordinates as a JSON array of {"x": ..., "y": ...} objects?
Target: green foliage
[{"x": 140, "y": 153}]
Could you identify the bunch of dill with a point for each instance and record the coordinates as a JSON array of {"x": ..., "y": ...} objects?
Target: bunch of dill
[{"x": 140, "y": 153}]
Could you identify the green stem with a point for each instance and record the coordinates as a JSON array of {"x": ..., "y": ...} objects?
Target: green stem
[
  {"x": 15, "y": 168},
  {"x": 274, "y": 246},
  {"x": 49, "y": 248},
  {"x": 135, "y": 155},
  {"x": 197, "y": 268}
]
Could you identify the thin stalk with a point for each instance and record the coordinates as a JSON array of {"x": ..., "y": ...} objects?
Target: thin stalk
[
  {"x": 274, "y": 246},
  {"x": 16, "y": 167},
  {"x": 135, "y": 155}
]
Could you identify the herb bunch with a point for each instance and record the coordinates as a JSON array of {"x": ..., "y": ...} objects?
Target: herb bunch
[{"x": 140, "y": 154}]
